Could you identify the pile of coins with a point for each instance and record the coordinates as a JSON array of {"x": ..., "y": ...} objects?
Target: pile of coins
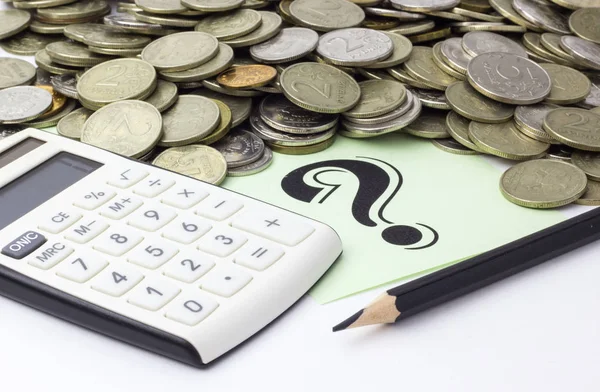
[{"x": 209, "y": 87}]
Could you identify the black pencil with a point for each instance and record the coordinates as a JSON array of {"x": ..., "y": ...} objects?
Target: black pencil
[{"x": 467, "y": 276}]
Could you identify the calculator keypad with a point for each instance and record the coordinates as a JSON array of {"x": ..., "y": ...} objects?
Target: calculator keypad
[{"x": 177, "y": 229}]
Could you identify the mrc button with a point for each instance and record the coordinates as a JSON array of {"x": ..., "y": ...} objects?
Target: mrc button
[{"x": 24, "y": 244}]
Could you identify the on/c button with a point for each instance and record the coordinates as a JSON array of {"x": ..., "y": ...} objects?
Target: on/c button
[{"x": 24, "y": 245}]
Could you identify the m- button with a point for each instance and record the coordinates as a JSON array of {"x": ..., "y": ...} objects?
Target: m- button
[{"x": 282, "y": 229}]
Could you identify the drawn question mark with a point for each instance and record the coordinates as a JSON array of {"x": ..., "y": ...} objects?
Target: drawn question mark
[{"x": 374, "y": 183}]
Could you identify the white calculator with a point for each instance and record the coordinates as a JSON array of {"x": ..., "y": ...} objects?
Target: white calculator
[{"x": 144, "y": 255}]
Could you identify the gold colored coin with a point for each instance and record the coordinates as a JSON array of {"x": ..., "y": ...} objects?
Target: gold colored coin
[
  {"x": 421, "y": 26},
  {"x": 533, "y": 42},
  {"x": 380, "y": 23},
  {"x": 224, "y": 126},
  {"x": 441, "y": 63},
  {"x": 551, "y": 42},
  {"x": 430, "y": 35},
  {"x": 71, "y": 125},
  {"x": 302, "y": 150},
  {"x": 453, "y": 147},
  {"x": 575, "y": 127},
  {"x": 543, "y": 183},
  {"x": 505, "y": 8},
  {"x": 247, "y": 76},
  {"x": 505, "y": 140},
  {"x": 568, "y": 85},
  {"x": 422, "y": 67},
  {"x": 489, "y": 26},
  {"x": 458, "y": 128},
  {"x": 584, "y": 23},
  {"x": 591, "y": 197},
  {"x": 589, "y": 162},
  {"x": 431, "y": 124},
  {"x": 58, "y": 102},
  {"x": 476, "y": 5},
  {"x": 467, "y": 102},
  {"x": 201, "y": 162}
]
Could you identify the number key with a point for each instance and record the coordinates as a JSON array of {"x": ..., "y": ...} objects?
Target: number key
[
  {"x": 186, "y": 229},
  {"x": 81, "y": 268},
  {"x": 117, "y": 241},
  {"x": 152, "y": 254},
  {"x": 151, "y": 218},
  {"x": 116, "y": 280},
  {"x": 191, "y": 307},
  {"x": 221, "y": 241},
  {"x": 153, "y": 294},
  {"x": 189, "y": 266}
]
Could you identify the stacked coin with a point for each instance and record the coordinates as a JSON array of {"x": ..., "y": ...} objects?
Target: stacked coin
[{"x": 248, "y": 77}]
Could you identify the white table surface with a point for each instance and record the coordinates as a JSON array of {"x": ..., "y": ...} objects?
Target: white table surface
[{"x": 537, "y": 331}]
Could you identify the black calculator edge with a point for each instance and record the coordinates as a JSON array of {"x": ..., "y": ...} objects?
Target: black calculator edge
[{"x": 30, "y": 292}]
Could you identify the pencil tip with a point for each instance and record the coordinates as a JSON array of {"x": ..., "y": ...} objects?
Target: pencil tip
[{"x": 348, "y": 322}]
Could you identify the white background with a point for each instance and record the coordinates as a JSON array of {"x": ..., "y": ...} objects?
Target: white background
[{"x": 539, "y": 330}]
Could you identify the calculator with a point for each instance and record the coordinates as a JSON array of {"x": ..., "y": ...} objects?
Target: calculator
[{"x": 153, "y": 258}]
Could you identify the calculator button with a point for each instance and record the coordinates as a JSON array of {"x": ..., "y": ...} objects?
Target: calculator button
[
  {"x": 258, "y": 256},
  {"x": 153, "y": 294},
  {"x": 50, "y": 255},
  {"x": 151, "y": 218},
  {"x": 92, "y": 200},
  {"x": 188, "y": 266},
  {"x": 191, "y": 307},
  {"x": 225, "y": 280},
  {"x": 59, "y": 221},
  {"x": 127, "y": 177},
  {"x": 221, "y": 242},
  {"x": 152, "y": 254},
  {"x": 282, "y": 229},
  {"x": 117, "y": 241},
  {"x": 81, "y": 268},
  {"x": 218, "y": 208},
  {"x": 153, "y": 186},
  {"x": 183, "y": 197},
  {"x": 186, "y": 229},
  {"x": 24, "y": 245},
  {"x": 120, "y": 207},
  {"x": 88, "y": 229},
  {"x": 116, "y": 280}
]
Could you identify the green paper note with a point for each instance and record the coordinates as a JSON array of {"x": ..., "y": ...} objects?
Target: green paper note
[{"x": 446, "y": 208}]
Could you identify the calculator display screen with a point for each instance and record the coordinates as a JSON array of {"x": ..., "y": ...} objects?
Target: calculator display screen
[{"x": 41, "y": 183}]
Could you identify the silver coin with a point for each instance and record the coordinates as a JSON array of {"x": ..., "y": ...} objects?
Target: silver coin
[
  {"x": 585, "y": 52},
  {"x": 290, "y": 44},
  {"x": 43, "y": 77},
  {"x": 280, "y": 113},
  {"x": 530, "y": 120},
  {"x": 454, "y": 54},
  {"x": 272, "y": 136},
  {"x": 362, "y": 131},
  {"x": 66, "y": 85},
  {"x": 130, "y": 23},
  {"x": 255, "y": 167},
  {"x": 360, "y": 47},
  {"x": 424, "y": 5},
  {"x": 593, "y": 98},
  {"x": 545, "y": 15},
  {"x": 509, "y": 78},
  {"x": 479, "y": 42},
  {"x": 240, "y": 147},
  {"x": 23, "y": 103},
  {"x": 392, "y": 13},
  {"x": 240, "y": 106},
  {"x": 402, "y": 109},
  {"x": 434, "y": 99}
]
